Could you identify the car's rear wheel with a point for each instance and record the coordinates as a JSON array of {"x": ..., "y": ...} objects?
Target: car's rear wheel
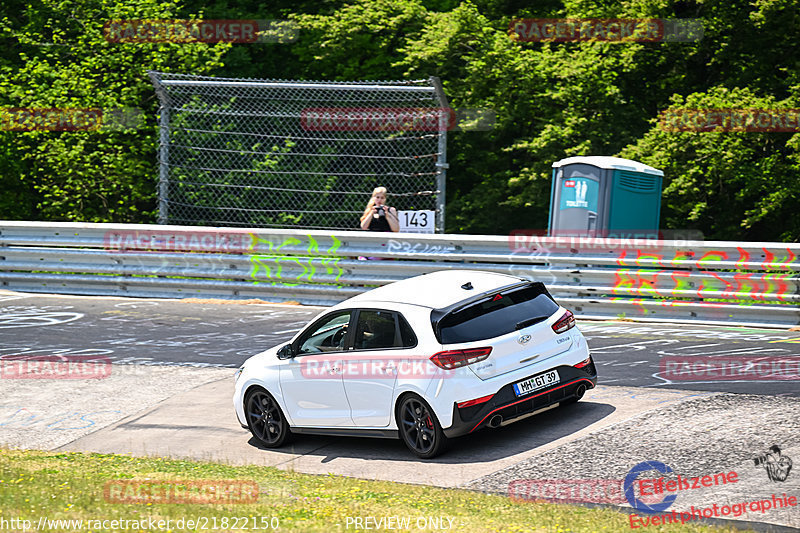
[
  {"x": 419, "y": 428},
  {"x": 265, "y": 419}
]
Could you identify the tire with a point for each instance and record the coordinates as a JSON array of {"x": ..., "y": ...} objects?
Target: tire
[
  {"x": 419, "y": 428},
  {"x": 265, "y": 419}
]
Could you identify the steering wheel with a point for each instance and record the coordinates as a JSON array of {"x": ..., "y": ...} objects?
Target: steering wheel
[{"x": 338, "y": 337}]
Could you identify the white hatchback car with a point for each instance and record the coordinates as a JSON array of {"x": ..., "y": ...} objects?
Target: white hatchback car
[{"x": 425, "y": 359}]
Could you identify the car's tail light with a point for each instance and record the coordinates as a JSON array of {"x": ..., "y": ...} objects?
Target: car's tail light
[
  {"x": 450, "y": 359},
  {"x": 566, "y": 322},
  {"x": 585, "y": 362},
  {"x": 476, "y": 401}
]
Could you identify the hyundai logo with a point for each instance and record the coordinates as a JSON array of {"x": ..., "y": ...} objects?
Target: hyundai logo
[{"x": 524, "y": 339}]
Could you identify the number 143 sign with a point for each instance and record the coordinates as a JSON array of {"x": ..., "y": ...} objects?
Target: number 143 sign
[{"x": 417, "y": 221}]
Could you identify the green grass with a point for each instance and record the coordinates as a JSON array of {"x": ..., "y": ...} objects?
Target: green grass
[{"x": 70, "y": 486}]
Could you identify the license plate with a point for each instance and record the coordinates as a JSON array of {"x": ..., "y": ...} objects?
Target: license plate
[{"x": 536, "y": 382}]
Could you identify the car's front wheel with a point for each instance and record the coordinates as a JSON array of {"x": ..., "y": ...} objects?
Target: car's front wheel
[
  {"x": 265, "y": 419},
  {"x": 419, "y": 428}
]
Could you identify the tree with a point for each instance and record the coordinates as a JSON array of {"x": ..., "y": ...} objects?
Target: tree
[
  {"x": 737, "y": 185},
  {"x": 56, "y": 56}
]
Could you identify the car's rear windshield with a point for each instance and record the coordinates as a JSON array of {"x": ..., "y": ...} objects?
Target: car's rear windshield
[{"x": 497, "y": 315}]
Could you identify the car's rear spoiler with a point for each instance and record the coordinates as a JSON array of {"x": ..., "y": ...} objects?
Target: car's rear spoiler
[{"x": 438, "y": 314}]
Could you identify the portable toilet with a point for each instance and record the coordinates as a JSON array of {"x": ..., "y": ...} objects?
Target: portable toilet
[{"x": 601, "y": 196}]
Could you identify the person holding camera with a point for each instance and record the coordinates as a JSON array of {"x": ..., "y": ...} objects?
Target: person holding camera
[
  {"x": 777, "y": 466},
  {"x": 378, "y": 216}
]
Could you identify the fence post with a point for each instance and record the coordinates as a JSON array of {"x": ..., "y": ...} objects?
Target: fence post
[
  {"x": 441, "y": 161},
  {"x": 163, "y": 151}
]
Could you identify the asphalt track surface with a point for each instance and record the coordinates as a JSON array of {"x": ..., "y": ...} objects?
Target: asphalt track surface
[
  {"x": 170, "y": 388},
  {"x": 225, "y": 334}
]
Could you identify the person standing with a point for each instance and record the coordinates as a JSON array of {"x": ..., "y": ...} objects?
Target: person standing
[{"x": 378, "y": 216}]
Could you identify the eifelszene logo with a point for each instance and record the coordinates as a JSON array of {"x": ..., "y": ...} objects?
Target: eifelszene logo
[{"x": 668, "y": 487}]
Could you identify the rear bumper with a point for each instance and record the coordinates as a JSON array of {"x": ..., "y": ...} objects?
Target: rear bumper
[{"x": 508, "y": 405}]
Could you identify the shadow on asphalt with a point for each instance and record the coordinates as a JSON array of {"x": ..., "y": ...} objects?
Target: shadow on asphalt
[{"x": 483, "y": 446}]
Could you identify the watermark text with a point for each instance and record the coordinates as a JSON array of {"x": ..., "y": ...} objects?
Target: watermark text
[
  {"x": 54, "y": 367},
  {"x": 730, "y": 368},
  {"x": 743, "y": 120},
  {"x": 209, "y": 491},
  {"x": 200, "y": 31},
  {"x": 646, "y": 30}
]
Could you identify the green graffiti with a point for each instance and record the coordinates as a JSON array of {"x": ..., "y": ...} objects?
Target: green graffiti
[
  {"x": 681, "y": 283},
  {"x": 331, "y": 263},
  {"x": 263, "y": 261},
  {"x": 269, "y": 267}
]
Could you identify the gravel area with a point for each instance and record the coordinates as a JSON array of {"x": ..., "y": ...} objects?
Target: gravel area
[{"x": 697, "y": 437}]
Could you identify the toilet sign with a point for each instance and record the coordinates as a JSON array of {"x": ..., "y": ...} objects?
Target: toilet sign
[{"x": 579, "y": 193}]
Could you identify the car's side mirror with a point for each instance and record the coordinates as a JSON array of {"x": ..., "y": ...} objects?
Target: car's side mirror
[{"x": 286, "y": 352}]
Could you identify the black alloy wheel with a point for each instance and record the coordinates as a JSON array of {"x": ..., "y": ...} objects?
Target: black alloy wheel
[
  {"x": 265, "y": 419},
  {"x": 420, "y": 429}
]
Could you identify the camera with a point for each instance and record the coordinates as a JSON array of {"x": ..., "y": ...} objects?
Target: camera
[
  {"x": 380, "y": 212},
  {"x": 761, "y": 458}
]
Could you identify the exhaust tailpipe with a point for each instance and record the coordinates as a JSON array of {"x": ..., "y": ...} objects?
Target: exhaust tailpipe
[
  {"x": 580, "y": 390},
  {"x": 495, "y": 421}
]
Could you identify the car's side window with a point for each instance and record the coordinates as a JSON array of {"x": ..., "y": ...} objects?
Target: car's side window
[
  {"x": 377, "y": 330},
  {"x": 407, "y": 337},
  {"x": 327, "y": 336}
]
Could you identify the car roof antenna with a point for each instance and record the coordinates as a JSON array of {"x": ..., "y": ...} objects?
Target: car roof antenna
[{"x": 467, "y": 286}]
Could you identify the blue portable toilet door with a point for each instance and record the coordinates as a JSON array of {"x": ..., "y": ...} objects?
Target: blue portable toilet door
[{"x": 577, "y": 189}]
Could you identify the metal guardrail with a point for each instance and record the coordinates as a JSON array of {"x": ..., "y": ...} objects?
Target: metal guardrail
[{"x": 711, "y": 281}]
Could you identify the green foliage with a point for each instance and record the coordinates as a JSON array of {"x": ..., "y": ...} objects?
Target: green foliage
[
  {"x": 361, "y": 40},
  {"x": 740, "y": 185},
  {"x": 552, "y": 100},
  {"x": 56, "y": 56}
]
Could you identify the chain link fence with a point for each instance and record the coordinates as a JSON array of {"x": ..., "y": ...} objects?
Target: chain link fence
[{"x": 297, "y": 154}]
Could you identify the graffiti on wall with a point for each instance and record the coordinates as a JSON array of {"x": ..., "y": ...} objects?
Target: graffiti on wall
[
  {"x": 662, "y": 275},
  {"x": 278, "y": 267},
  {"x": 275, "y": 260},
  {"x": 708, "y": 281}
]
